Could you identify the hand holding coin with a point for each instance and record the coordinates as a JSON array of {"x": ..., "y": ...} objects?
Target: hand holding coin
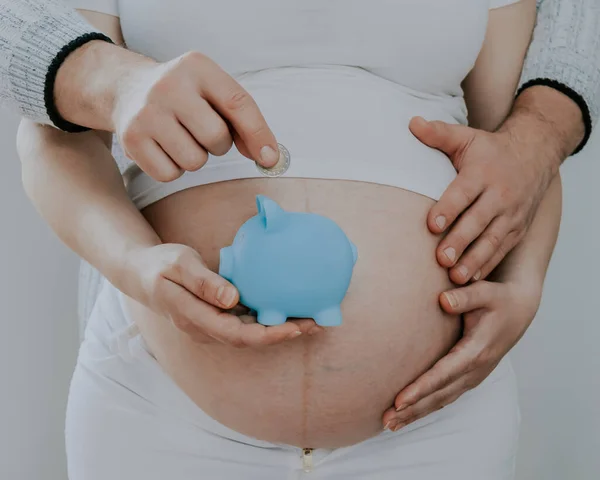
[{"x": 280, "y": 167}]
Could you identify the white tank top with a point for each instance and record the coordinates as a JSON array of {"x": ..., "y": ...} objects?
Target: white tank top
[{"x": 337, "y": 80}]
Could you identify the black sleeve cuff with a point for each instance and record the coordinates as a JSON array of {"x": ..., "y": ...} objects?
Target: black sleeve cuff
[
  {"x": 64, "y": 52},
  {"x": 573, "y": 95}
]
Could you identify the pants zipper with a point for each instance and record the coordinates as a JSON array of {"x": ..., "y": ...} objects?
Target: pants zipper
[{"x": 307, "y": 459}]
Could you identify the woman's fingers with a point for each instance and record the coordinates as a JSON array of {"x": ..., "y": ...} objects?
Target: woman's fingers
[
  {"x": 194, "y": 296},
  {"x": 465, "y": 299},
  {"x": 394, "y": 421},
  {"x": 447, "y": 370},
  {"x": 204, "y": 322},
  {"x": 186, "y": 268}
]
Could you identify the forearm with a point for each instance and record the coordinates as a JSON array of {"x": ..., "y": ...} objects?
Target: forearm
[
  {"x": 90, "y": 80},
  {"x": 75, "y": 185},
  {"x": 565, "y": 54},
  {"x": 528, "y": 262},
  {"x": 547, "y": 124},
  {"x": 33, "y": 36}
]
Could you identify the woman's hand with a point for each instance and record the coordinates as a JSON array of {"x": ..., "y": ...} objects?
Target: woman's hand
[
  {"x": 490, "y": 205},
  {"x": 496, "y": 315},
  {"x": 173, "y": 280}
]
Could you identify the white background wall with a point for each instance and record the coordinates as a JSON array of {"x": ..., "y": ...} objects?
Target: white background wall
[{"x": 558, "y": 361}]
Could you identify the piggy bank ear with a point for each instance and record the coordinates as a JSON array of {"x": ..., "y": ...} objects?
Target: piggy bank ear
[{"x": 270, "y": 213}]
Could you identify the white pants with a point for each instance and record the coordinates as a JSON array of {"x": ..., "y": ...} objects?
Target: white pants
[{"x": 127, "y": 420}]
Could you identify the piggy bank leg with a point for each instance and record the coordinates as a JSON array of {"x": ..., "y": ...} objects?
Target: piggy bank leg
[
  {"x": 271, "y": 317},
  {"x": 330, "y": 317}
]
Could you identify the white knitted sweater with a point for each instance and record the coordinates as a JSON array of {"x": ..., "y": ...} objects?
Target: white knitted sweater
[{"x": 564, "y": 53}]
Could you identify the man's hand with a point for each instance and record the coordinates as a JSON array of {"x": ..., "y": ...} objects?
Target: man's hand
[
  {"x": 496, "y": 315},
  {"x": 173, "y": 280},
  {"x": 168, "y": 116},
  {"x": 489, "y": 206}
]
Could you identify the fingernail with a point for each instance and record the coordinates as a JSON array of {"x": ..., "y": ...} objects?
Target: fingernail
[
  {"x": 440, "y": 221},
  {"x": 401, "y": 407},
  {"x": 477, "y": 275},
  {"x": 387, "y": 425},
  {"x": 225, "y": 295},
  {"x": 268, "y": 156},
  {"x": 398, "y": 426},
  {"x": 391, "y": 425},
  {"x": 295, "y": 334},
  {"x": 450, "y": 253},
  {"x": 463, "y": 271},
  {"x": 451, "y": 299}
]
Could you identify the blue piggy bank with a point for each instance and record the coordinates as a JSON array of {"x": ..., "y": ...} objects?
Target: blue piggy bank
[{"x": 288, "y": 264}]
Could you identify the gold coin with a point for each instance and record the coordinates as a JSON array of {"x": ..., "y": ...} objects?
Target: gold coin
[{"x": 280, "y": 167}]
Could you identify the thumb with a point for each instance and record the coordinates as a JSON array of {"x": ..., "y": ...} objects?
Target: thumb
[
  {"x": 449, "y": 139},
  {"x": 472, "y": 297}
]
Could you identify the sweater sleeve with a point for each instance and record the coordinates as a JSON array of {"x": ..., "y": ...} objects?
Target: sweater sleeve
[
  {"x": 565, "y": 54},
  {"x": 35, "y": 38}
]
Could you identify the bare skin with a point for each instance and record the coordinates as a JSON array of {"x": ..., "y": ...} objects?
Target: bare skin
[{"x": 326, "y": 390}]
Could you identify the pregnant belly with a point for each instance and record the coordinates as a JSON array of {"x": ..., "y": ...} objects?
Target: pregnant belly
[{"x": 331, "y": 389}]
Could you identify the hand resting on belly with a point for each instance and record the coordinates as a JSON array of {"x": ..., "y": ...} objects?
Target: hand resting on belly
[{"x": 329, "y": 389}]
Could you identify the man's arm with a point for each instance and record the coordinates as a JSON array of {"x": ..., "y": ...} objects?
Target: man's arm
[
  {"x": 35, "y": 38},
  {"x": 503, "y": 175},
  {"x": 565, "y": 55}
]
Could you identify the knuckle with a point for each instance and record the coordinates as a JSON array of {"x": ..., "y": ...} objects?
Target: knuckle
[
  {"x": 464, "y": 195},
  {"x": 438, "y": 399},
  {"x": 502, "y": 250},
  {"x": 494, "y": 240},
  {"x": 258, "y": 130},
  {"x": 156, "y": 286},
  {"x": 200, "y": 338},
  {"x": 485, "y": 289},
  {"x": 237, "y": 100},
  {"x": 180, "y": 321},
  {"x": 131, "y": 136},
  {"x": 459, "y": 240},
  {"x": 237, "y": 342},
  {"x": 408, "y": 412},
  {"x": 470, "y": 383},
  {"x": 174, "y": 259},
  {"x": 163, "y": 86},
  {"x": 193, "y": 57},
  {"x": 219, "y": 138},
  {"x": 218, "y": 132},
  {"x": 480, "y": 359},
  {"x": 168, "y": 175},
  {"x": 504, "y": 194},
  {"x": 202, "y": 287},
  {"x": 196, "y": 160}
]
